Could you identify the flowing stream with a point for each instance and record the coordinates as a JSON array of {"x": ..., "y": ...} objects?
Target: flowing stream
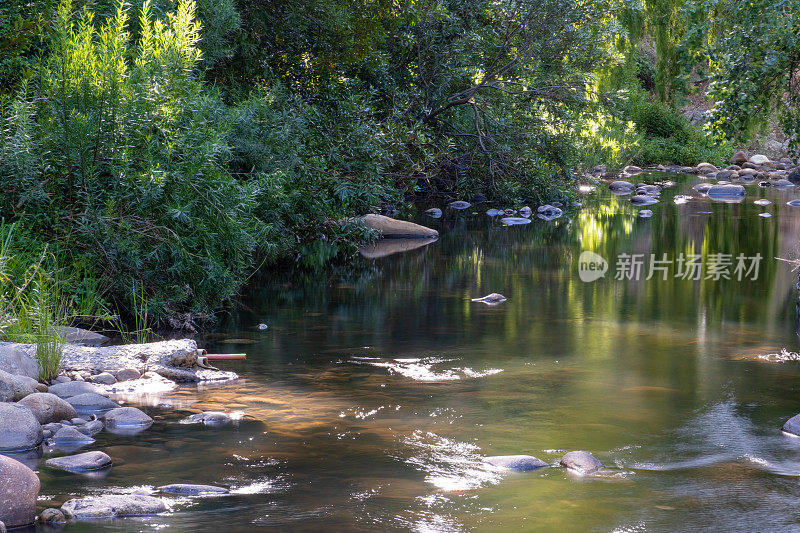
[{"x": 373, "y": 394}]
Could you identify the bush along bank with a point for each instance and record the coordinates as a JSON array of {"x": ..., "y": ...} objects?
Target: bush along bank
[{"x": 151, "y": 177}]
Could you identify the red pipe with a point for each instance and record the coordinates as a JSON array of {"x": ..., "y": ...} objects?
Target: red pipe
[{"x": 226, "y": 356}]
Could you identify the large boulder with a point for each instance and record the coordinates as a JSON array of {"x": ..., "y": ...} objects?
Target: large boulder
[
  {"x": 13, "y": 387},
  {"x": 177, "y": 360},
  {"x": 581, "y": 462},
  {"x": 393, "y": 228},
  {"x": 82, "y": 462},
  {"x": 91, "y": 402},
  {"x": 15, "y": 360},
  {"x": 19, "y": 429},
  {"x": 520, "y": 463},
  {"x": 621, "y": 186},
  {"x": 48, "y": 407},
  {"x": 80, "y": 336},
  {"x": 113, "y": 506},
  {"x": 19, "y": 488},
  {"x": 794, "y": 176}
]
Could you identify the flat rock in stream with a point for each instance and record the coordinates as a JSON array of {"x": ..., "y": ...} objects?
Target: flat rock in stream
[
  {"x": 581, "y": 462},
  {"x": 726, "y": 190},
  {"x": 69, "y": 439},
  {"x": 74, "y": 388},
  {"x": 91, "y": 402},
  {"x": 175, "y": 359},
  {"x": 520, "y": 463},
  {"x": 113, "y": 506},
  {"x": 494, "y": 298},
  {"x": 193, "y": 490},
  {"x": 209, "y": 418},
  {"x": 82, "y": 462},
  {"x": 394, "y": 229}
]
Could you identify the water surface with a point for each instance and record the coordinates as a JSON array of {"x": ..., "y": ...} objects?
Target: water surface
[{"x": 373, "y": 394}]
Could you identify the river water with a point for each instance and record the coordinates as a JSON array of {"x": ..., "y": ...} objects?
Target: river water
[{"x": 373, "y": 394}]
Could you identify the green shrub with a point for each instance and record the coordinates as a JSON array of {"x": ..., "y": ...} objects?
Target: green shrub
[{"x": 120, "y": 151}]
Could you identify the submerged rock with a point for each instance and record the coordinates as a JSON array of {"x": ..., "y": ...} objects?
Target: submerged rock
[
  {"x": 393, "y": 229},
  {"x": 526, "y": 211},
  {"x": 48, "y": 407},
  {"x": 702, "y": 187},
  {"x": 19, "y": 488},
  {"x": 494, "y": 298},
  {"x": 581, "y": 462},
  {"x": 520, "y": 463},
  {"x": 19, "y": 429},
  {"x": 495, "y": 212},
  {"x": 459, "y": 204},
  {"x": 196, "y": 490},
  {"x": 434, "y": 212},
  {"x": 82, "y": 462},
  {"x": 645, "y": 213},
  {"x": 113, "y": 506},
  {"x": 782, "y": 184},
  {"x": 209, "y": 418}
]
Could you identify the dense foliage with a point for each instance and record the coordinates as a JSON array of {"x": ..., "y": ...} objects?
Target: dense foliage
[{"x": 170, "y": 147}]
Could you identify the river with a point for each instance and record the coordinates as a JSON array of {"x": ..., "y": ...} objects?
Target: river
[{"x": 370, "y": 399}]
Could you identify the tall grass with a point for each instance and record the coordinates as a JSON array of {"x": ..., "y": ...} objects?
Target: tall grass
[{"x": 31, "y": 307}]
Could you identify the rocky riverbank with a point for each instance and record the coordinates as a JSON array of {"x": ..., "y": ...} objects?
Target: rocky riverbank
[{"x": 61, "y": 417}]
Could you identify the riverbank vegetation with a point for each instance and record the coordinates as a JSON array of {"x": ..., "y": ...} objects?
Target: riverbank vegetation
[{"x": 167, "y": 149}]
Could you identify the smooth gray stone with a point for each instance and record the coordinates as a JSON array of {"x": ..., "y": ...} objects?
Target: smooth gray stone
[
  {"x": 82, "y": 462},
  {"x": 184, "y": 488},
  {"x": 114, "y": 506},
  {"x": 520, "y": 463},
  {"x": 581, "y": 462},
  {"x": 19, "y": 429}
]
